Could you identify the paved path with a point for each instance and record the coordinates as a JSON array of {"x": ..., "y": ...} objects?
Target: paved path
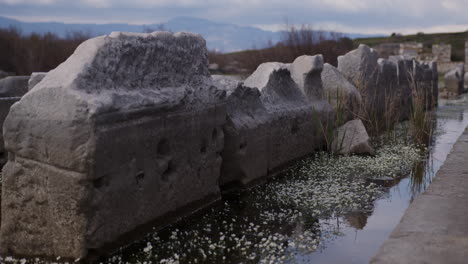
[{"x": 434, "y": 229}]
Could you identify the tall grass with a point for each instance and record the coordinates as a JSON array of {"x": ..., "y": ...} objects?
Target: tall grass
[{"x": 422, "y": 112}]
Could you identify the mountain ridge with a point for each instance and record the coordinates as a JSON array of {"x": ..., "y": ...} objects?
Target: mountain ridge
[{"x": 222, "y": 37}]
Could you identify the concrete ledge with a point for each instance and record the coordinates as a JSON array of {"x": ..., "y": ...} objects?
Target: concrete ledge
[{"x": 434, "y": 229}]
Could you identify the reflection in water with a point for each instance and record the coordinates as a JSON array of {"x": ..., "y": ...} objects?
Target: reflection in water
[
  {"x": 317, "y": 214},
  {"x": 358, "y": 245}
]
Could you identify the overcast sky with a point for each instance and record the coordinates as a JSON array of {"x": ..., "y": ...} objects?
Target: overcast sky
[{"x": 350, "y": 16}]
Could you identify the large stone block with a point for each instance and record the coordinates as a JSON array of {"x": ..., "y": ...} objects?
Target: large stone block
[
  {"x": 342, "y": 95},
  {"x": 406, "y": 84},
  {"x": 11, "y": 90},
  {"x": 361, "y": 68},
  {"x": 352, "y": 138},
  {"x": 435, "y": 82},
  {"x": 386, "y": 99},
  {"x": 35, "y": 78},
  {"x": 306, "y": 72},
  {"x": 14, "y": 86},
  {"x": 454, "y": 80},
  {"x": 127, "y": 131},
  {"x": 270, "y": 123}
]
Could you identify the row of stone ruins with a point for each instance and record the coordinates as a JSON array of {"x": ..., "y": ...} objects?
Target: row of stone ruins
[{"x": 132, "y": 130}]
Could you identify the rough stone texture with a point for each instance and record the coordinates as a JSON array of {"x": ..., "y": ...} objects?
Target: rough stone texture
[
  {"x": 360, "y": 67},
  {"x": 306, "y": 73},
  {"x": 4, "y": 74},
  {"x": 435, "y": 81},
  {"x": 126, "y": 131},
  {"x": 387, "y": 98},
  {"x": 35, "y": 78},
  {"x": 270, "y": 123},
  {"x": 454, "y": 80},
  {"x": 341, "y": 94},
  {"x": 434, "y": 228},
  {"x": 11, "y": 90},
  {"x": 386, "y": 50},
  {"x": 442, "y": 52},
  {"x": 352, "y": 138},
  {"x": 405, "y": 77},
  {"x": 411, "y": 49},
  {"x": 14, "y": 86}
]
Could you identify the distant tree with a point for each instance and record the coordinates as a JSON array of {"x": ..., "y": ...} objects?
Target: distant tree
[{"x": 158, "y": 27}]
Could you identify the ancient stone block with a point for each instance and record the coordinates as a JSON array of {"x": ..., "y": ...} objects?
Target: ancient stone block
[
  {"x": 306, "y": 72},
  {"x": 352, "y": 138},
  {"x": 360, "y": 67},
  {"x": 35, "y": 78},
  {"x": 435, "y": 81},
  {"x": 127, "y": 131},
  {"x": 270, "y": 123},
  {"x": 454, "y": 80},
  {"x": 405, "y": 81},
  {"x": 14, "y": 86},
  {"x": 442, "y": 52},
  {"x": 342, "y": 95},
  {"x": 11, "y": 90}
]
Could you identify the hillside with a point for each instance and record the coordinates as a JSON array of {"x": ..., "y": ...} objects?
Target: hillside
[{"x": 457, "y": 40}]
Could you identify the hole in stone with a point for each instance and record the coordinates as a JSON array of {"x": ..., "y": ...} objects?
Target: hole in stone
[
  {"x": 294, "y": 128},
  {"x": 99, "y": 182},
  {"x": 164, "y": 147},
  {"x": 204, "y": 146},
  {"x": 243, "y": 145},
  {"x": 214, "y": 134},
  {"x": 139, "y": 177},
  {"x": 169, "y": 170}
]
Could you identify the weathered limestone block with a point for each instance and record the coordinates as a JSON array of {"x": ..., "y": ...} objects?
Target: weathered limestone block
[
  {"x": 454, "y": 80},
  {"x": 4, "y": 74},
  {"x": 128, "y": 130},
  {"x": 387, "y": 98},
  {"x": 435, "y": 82},
  {"x": 14, "y": 86},
  {"x": 294, "y": 125},
  {"x": 306, "y": 72},
  {"x": 11, "y": 90},
  {"x": 405, "y": 73},
  {"x": 361, "y": 68},
  {"x": 352, "y": 138},
  {"x": 341, "y": 94},
  {"x": 426, "y": 84},
  {"x": 35, "y": 78},
  {"x": 270, "y": 123},
  {"x": 246, "y": 139}
]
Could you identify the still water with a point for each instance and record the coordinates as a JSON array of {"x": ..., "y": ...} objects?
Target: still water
[{"x": 317, "y": 214}]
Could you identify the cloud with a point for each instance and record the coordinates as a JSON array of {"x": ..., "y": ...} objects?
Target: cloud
[
  {"x": 31, "y": 2},
  {"x": 357, "y": 16}
]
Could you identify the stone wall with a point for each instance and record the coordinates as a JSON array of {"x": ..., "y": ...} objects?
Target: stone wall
[
  {"x": 132, "y": 130},
  {"x": 466, "y": 54},
  {"x": 442, "y": 52},
  {"x": 445, "y": 67},
  {"x": 411, "y": 49}
]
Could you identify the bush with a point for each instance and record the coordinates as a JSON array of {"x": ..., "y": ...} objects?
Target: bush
[
  {"x": 295, "y": 42},
  {"x": 23, "y": 55}
]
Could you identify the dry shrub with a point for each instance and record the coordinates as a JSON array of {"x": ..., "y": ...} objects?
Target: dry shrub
[
  {"x": 24, "y": 54},
  {"x": 295, "y": 42}
]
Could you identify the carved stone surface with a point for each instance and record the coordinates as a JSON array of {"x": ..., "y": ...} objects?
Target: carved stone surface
[
  {"x": 127, "y": 131},
  {"x": 341, "y": 94}
]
